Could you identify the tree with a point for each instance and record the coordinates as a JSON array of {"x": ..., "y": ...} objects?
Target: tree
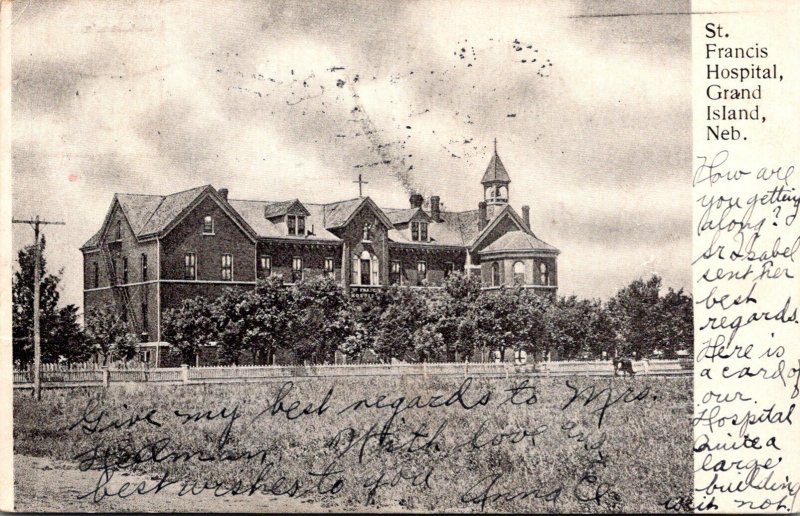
[
  {"x": 531, "y": 332},
  {"x": 578, "y": 328},
  {"x": 60, "y": 332},
  {"x": 258, "y": 321},
  {"x": 190, "y": 326},
  {"x": 635, "y": 311},
  {"x": 405, "y": 314},
  {"x": 109, "y": 335},
  {"x": 496, "y": 318},
  {"x": 676, "y": 327},
  {"x": 366, "y": 313},
  {"x": 454, "y": 314},
  {"x": 322, "y": 319}
]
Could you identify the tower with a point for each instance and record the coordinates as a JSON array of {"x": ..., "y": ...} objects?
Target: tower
[{"x": 495, "y": 184}]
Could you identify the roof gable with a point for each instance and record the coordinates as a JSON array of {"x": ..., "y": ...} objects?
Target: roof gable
[
  {"x": 169, "y": 209},
  {"x": 506, "y": 213},
  {"x": 279, "y": 209},
  {"x": 98, "y": 237},
  {"x": 338, "y": 215},
  {"x": 206, "y": 191},
  {"x": 404, "y": 216}
]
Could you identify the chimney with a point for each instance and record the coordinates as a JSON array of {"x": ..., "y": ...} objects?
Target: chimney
[
  {"x": 482, "y": 215},
  {"x": 415, "y": 200},
  {"x": 435, "y": 213},
  {"x": 526, "y": 216},
  {"x": 223, "y": 192}
]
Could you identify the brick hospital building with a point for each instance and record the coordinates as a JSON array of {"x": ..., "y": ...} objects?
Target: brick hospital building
[{"x": 153, "y": 251}]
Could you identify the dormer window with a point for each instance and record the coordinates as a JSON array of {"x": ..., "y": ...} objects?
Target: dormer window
[
  {"x": 208, "y": 225},
  {"x": 419, "y": 231},
  {"x": 296, "y": 224}
]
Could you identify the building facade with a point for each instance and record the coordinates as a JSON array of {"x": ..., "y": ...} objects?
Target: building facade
[{"x": 153, "y": 251}]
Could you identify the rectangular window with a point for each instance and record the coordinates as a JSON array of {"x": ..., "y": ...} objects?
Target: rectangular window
[
  {"x": 365, "y": 271},
  {"x": 423, "y": 231},
  {"x": 227, "y": 267},
  {"x": 144, "y": 316},
  {"x": 449, "y": 268},
  {"x": 190, "y": 266},
  {"x": 208, "y": 225},
  {"x": 422, "y": 272},
  {"x": 144, "y": 267},
  {"x": 296, "y": 224},
  {"x": 297, "y": 269},
  {"x": 125, "y": 270},
  {"x": 118, "y": 235},
  {"x": 96, "y": 275},
  {"x": 394, "y": 272},
  {"x": 145, "y": 356},
  {"x": 329, "y": 267},
  {"x": 415, "y": 231},
  {"x": 265, "y": 265}
]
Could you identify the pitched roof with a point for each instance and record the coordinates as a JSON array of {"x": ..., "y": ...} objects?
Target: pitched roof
[
  {"x": 138, "y": 208},
  {"x": 94, "y": 241},
  {"x": 402, "y": 216},
  {"x": 336, "y": 214},
  {"x": 170, "y": 207},
  {"x": 456, "y": 228},
  {"x": 495, "y": 171},
  {"x": 253, "y": 212},
  {"x": 278, "y": 209},
  {"x": 518, "y": 241}
]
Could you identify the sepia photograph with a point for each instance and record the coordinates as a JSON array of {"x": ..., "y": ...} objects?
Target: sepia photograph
[{"x": 329, "y": 256}]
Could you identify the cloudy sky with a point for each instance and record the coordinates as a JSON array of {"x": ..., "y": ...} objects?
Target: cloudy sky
[{"x": 591, "y": 113}]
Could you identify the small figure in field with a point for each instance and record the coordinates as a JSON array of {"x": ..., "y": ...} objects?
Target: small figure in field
[{"x": 623, "y": 365}]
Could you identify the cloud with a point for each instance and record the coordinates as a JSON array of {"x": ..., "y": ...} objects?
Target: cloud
[{"x": 157, "y": 97}]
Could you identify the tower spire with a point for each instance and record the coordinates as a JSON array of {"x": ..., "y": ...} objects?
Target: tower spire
[{"x": 495, "y": 145}]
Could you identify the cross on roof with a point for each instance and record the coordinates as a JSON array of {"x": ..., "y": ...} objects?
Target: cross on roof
[{"x": 360, "y": 183}]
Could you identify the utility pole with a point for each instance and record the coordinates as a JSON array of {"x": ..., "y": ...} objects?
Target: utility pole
[{"x": 37, "y": 338}]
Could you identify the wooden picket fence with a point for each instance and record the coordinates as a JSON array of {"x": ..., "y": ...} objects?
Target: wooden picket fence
[{"x": 93, "y": 375}]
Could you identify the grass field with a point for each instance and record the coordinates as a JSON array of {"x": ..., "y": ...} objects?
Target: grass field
[{"x": 539, "y": 445}]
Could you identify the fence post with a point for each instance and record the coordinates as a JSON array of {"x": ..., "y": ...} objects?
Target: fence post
[
  {"x": 105, "y": 377},
  {"x": 185, "y": 373}
]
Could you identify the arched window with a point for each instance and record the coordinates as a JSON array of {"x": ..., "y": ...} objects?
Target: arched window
[
  {"x": 519, "y": 273},
  {"x": 502, "y": 193},
  {"x": 495, "y": 274},
  {"x": 544, "y": 274},
  {"x": 489, "y": 196},
  {"x": 208, "y": 225},
  {"x": 366, "y": 269}
]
